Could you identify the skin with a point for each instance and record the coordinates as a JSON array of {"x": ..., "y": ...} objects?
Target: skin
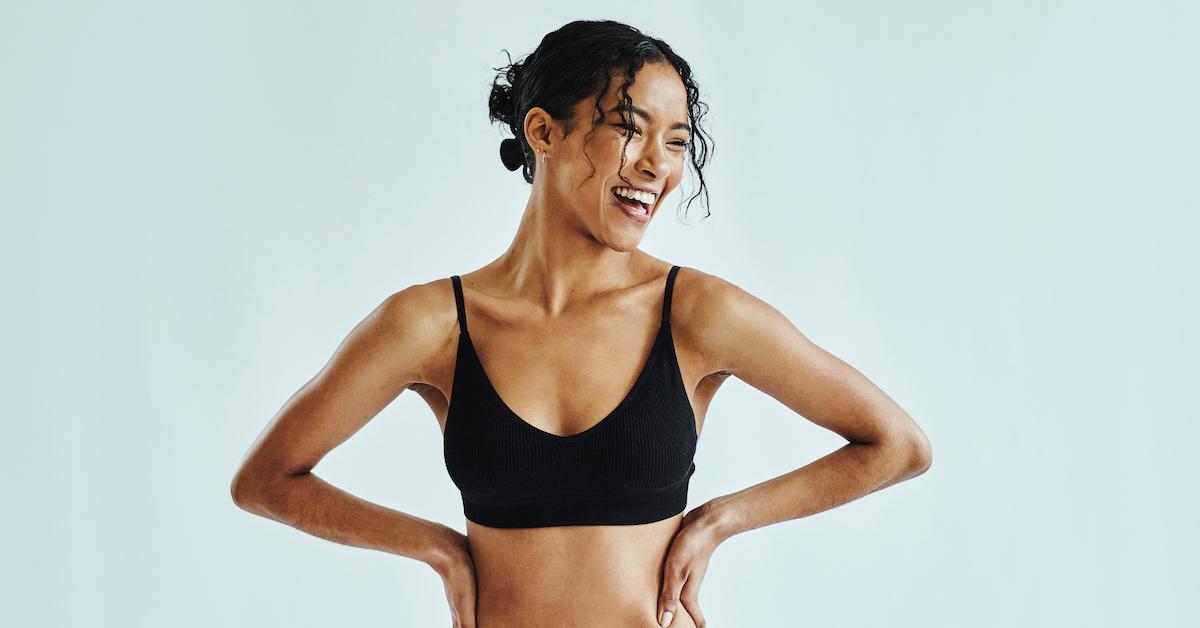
[{"x": 573, "y": 305}]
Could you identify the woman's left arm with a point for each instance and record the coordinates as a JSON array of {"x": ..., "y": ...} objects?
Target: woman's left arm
[{"x": 734, "y": 333}]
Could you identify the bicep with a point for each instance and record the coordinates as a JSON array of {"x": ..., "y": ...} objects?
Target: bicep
[
  {"x": 381, "y": 356},
  {"x": 753, "y": 341}
]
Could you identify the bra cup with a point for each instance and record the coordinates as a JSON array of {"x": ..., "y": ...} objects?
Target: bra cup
[{"x": 633, "y": 466}]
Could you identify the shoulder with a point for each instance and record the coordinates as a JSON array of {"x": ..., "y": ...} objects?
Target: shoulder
[
  {"x": 704, "y": 298},
  {"x": 427, "y": 306},
  {"x": 411, "y": 326},
  {"x": 720, "y": 320}
]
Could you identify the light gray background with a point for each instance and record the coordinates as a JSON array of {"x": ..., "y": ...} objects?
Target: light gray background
[{"x": 989, "y": 208}]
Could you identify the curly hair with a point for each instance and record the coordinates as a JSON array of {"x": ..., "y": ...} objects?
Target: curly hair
[{"x": 577, "y": 61}]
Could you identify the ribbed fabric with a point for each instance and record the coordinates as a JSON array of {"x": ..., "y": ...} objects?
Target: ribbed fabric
[{"x": 632, "y": 467}]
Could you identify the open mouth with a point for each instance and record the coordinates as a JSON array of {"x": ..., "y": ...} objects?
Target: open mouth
[{"x": 631, "y": 204}]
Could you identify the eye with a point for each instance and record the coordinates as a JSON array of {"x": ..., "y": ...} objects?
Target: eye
[{"x": 681, "y": 143}]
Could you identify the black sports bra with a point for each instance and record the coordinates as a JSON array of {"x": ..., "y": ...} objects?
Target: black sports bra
[{"x": 631, "y": 467}]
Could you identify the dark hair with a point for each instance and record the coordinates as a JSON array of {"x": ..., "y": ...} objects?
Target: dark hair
[{"x": 577, "y": 61}]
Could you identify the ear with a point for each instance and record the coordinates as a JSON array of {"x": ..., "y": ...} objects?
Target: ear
[{"x": 540, "y": 129}]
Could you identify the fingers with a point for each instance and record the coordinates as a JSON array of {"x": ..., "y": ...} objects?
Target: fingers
[
  {"x": 669, "y": 605},
  {"x": 464, "y": 618},
  {"x": 463, "y": 613},
  {"x": 668, "y": 600},
  {"x": 460, "y": 592},
  {"x": 690, "y": 597}
]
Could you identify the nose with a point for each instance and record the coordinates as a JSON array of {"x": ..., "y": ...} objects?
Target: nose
[{"x": 653, "y": 162}]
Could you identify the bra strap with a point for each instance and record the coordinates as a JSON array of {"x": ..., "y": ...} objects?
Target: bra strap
[
  {"x": 458, "y": 302},
  {"x": 666, "y": 311}
]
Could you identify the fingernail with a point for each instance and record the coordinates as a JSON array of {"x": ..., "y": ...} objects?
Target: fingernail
[{"x": 666, "y": 620}]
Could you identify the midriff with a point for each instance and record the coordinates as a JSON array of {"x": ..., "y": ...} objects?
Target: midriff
[{"x": 606, "y": 576}]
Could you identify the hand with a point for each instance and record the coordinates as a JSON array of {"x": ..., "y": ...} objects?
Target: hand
[
  {"x": 457, "y": 569},
  {"x": 685, "y": 564}
]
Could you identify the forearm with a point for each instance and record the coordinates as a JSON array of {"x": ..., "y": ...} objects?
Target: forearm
[
  {"x": 310, "y": 504},
  {"x": 844, "y": 475}
]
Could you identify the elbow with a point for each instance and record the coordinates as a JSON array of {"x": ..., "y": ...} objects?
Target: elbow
[
  {"x": 921, "y": 453},
  {"x": 909, "y": 452},
  {"x": 247, "y": 487},
  {"x": 240, "y": 489},
  {"x": 255, "y": 483}
]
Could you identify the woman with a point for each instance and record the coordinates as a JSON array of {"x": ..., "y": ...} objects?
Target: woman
[{"x": 571, "y": 375}]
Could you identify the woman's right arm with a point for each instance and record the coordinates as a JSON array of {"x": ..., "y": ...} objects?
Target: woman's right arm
[{"x": 385, "y": 353}]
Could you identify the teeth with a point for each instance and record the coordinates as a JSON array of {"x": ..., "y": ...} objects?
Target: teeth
[
  {"x": 637, "y": 195},
  {"x": 637, "y": 206}
]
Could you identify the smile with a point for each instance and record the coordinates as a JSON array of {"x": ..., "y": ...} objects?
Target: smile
[{"x": 637, "y": 210}]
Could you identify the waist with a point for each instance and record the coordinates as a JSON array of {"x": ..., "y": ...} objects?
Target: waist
[
  {"x": 612, "y": 613},
  {"x": 603, "y": 576}
]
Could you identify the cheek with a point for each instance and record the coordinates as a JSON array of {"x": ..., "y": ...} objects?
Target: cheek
[
  {"x": 612, "y": 156},
  {"x": 600, "y": 159}
]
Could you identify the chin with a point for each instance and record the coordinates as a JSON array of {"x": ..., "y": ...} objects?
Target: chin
[{"x": 625, "y": 244}]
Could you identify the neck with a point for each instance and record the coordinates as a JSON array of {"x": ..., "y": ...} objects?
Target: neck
[{"x": 554, "y": 260}]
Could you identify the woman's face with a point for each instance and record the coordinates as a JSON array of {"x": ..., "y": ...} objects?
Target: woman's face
[{"x": 654, "y": 158}]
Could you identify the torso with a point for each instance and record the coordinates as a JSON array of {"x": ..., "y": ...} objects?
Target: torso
[{"x": 583, "y": 575}]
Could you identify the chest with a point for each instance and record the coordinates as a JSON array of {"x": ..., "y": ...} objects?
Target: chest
[
  {"x": 559, "y": 383},
  {"x": 639, "y": 453},
  {"x": 626, "y": 459}
]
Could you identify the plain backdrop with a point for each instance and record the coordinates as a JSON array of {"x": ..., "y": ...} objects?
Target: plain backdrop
[{"x": 988, "y": 208}]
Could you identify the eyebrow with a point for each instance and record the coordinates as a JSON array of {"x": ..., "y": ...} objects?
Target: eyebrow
[{"x": 649, "y": 118}]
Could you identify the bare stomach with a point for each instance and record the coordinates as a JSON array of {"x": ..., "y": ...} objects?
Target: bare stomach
[{"x": 572, "y": 576}]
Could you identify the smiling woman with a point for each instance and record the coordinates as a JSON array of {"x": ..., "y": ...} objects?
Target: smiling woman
[
  {"x": 583, "y": 76},
  {"x": 571, "y": 376}
]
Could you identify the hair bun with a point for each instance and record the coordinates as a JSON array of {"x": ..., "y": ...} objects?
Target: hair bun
[{"x": 511, "y": 153}]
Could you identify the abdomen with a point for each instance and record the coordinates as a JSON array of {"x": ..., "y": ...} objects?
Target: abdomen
[{"x": 572, "y": 576}]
